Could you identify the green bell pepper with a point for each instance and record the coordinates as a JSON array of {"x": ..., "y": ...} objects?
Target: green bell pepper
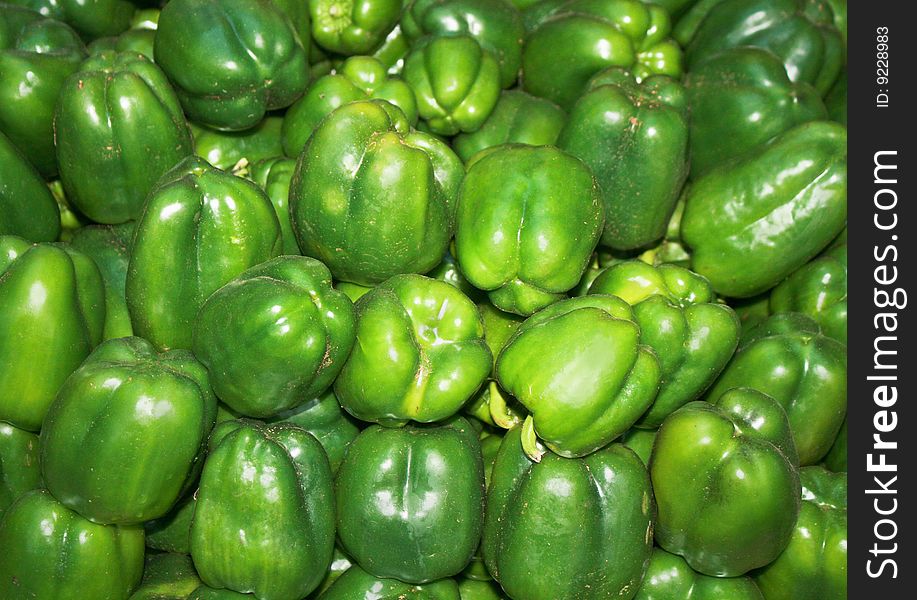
[
  {"x": 472, "y": 589},
  {"x": 692, "y": 335},
  {"x": 275, "y": 336},
  {"x": 419, "y": 353},
  {"x": 814, "y": 565},
  {"x": 54, "y": 553},
  {"x": 818, "y": 289},
  {"x": 569, "y": 41},
  {"x": 118, "y": 127},
  {"x": 497, "y": 27},
  {"x": 93, "y": 19},
  {"x": 669, "y": 577},
  {"x": 371, "y": 198},
  {"x": 324, "y": 418},
  {"x": 836, "y": 100},
  {"x": 224, "y": 149},
  {"x": 726, "y": 483},
  {"x": 138, "y": 39},
  {"x": 19, "y": 468},
  {"x": 803, "y": 370},
  {"x": 353, "y": 27},
  {"x": 102, "y": 441},
  {"x": 448, "y": 271},
  {"x": 578, "y": 366},
  {"x": 635, "y": 139},
  {"x": 36, "y": 55},
  {"x": 200, "y": 228},
  {"x": 357, "y": 583},
  {"x": 205, "y": 592},
  {"x": 686, "y": 26},
  {"x": 800, "y": 32},
  {"x": 53, "y": 304},
  {"x": 456, "y": 82},
  {"x": 264, "y": 518},
  {"x": 836, "y": 459},
  {"x": 753, "y": 221},
  {"x": 392, "y": 51},
  {"x": 340, "y": 564},
  {"x": 230, "y": 61},
  {"x": 358, "y": 78},
  {"x": 274, "y": 175},
  {"x": 640, "y": 441},
  {"x": 167, "y": 576},
  {"x": 517, "y": 118},
  {"x": 172, "y": 531},
  {"x": 566, "y": 529},
  {"x": 528, "y": 220},
  {"x": 410, "y": 501},
  {"x": 739, "y": 99},
  {"x": 27, "y": 207}
]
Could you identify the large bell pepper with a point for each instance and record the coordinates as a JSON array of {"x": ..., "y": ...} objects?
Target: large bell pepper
[
  {"x": 528, "y": 220},
  {"x": 118, "y": 127},
  {"x": 518, "y": 118},
  {"x": 669, "y": 577},
  {"x": 800, "y": 32},
  {"x": 348, "y": 27},
  {"x": 753, "y": 221},
  {"x": 264, "y": 517},
  {"x": 52, "y": 302},
  {"x": 167, "y": 576},
  {"x": 324, "y": 418},
  {"x": 739, "y": 99},
  {"x": 224, "y": 149},
  {"x": 91, "y": 19},
  {"x": 275, "y": 336},
  {"x": 726, "y": 483},
  {"x": 456, "y": 82},
  {"x": 803, "y": 370},
  {"x": 200, "y": 228},
  {"x": 103, "y": 439},
  {"x": 410, "y": 501},
  {"x": 27, "y": 208},
  {"x": 371, "y": 198},
  {"x": 692, "y": 334},
  {"x": 419, "y": 353},
  {"x": 566, "y": 529},
  {"x": 230, "y": 61},
  {"x": 814, "y": 565},
  {"x": 274, "y": 175},
  {"x": 36, "y": 55},
  {"x": 54, "y": 553},
  {"x": 580, "y": 369},
  {"x": 634, "y": 137},
  {"x": 357, "y": 583},
  {"x": 569, "y": 41},
  {"x": 19, "y": 467},
  {"x": 497, "y": 27},
  {"x": 358, "y": 78}
]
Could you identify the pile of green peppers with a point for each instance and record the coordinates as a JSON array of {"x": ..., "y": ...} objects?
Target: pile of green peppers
[{"x": 427, "y": 299}]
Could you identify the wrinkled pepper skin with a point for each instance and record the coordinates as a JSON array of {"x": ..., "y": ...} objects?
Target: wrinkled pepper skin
[
  {"x": 118, "y": 128},
  {"x": 517, "y": 118},
  {"x": 274, "y": 176},
  {"x": 800, "y": 32},
  {"x": 726, "y": 483},
  {"x": 324, "y": 418},
  {"x": 634, "y": 137},
  {"x": 497, "y": 27},
  {"x": 804, "y": 371},
  {"x": 358, "y": 78},
  {"x": 275, "y": 336},
  {"x": 419, "y": 353},
  {"x": 118, "y": 411},
  {"x": 264, "y": 518},
  {"x": 836, "y": 459},
  {"x": 44, "y": 336},
  {"x": 49, "y": 563},
  {"x": 410, "y": 501},
  {"x": 569, "y": 41},
  {"x": 353, "y": 27},
  {"x": 91, "y": 19},
  {"x": 528, "y": 220},
  {"x": 200, "y": 228},
  {"x": 669, "y": 577},
  {"x": 19, "y": 468},
  {"x": 814, "y": 565},
  {"x": 224, "y": 149},
  {"x": 753, "y": 221},
  {"x": 739, "y": 99},
  {"x": 692, "y": 335},
  {"x": 167, "y": 576},
  {"x": 109, "y": 246},
  {"x": 37, "y": 55},
  {"x": 195, "y": 42},
  {"x": 456, "y": 82},
  {"x": 818, "y": 289},
  {"x": 596, "y": 534},
  {"x": 27, "y": 208},
  {"x": 365, "y": 222},
  {"x": 357, "y": 584},
  {"x": 579, "y": 368}
]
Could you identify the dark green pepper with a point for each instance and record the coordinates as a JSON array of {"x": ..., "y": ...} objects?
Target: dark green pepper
[
  {"x": 138, "y": 39},
  {"x": 836, "y": 459},
  {"x": 172, "y": 531},
  {"x": 669, "y": 577},
  {"x": 356, "y": 583},
  {"x": 167, "y": 576},
  {"x": 836, "y": 100},
  {"x": 224, "y": 149},
  {"x": 19, "y": 468},
  {"x": 92, "y": 19},
  {"x": 324, "y": 418},
  {"x": 472, "y": 589},
  {"x": 27, "y": 208},
  {"x": 274, "y": 176},
  {"x": 353, "y": 27}
]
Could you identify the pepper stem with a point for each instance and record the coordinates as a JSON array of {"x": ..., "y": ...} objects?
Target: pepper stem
[{"x": 530, "y": 444}]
